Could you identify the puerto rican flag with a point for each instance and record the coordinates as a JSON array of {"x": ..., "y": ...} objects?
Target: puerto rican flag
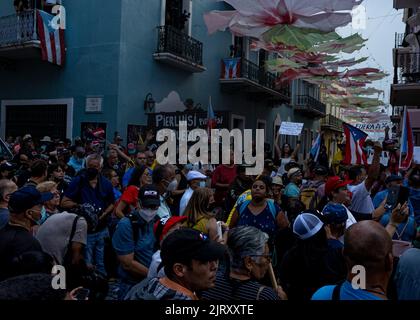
[
  {"x": 407, "y": 143},
  {"x": 52, "y": 40},
  {"x": 231, "y": 68},
  {"x": 355, "y": 139},
  {"x": 211, "y": 118}
]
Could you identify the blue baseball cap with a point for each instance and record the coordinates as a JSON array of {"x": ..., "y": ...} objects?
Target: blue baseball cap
[
  {"x": 334, "y": 214},
  {"x": 392, "y": 178},
  {"x": 26, "y": 198}
]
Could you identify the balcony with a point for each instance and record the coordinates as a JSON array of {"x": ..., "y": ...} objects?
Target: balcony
[
  {"x": 402, "y": 4},
  {"x": 180, "y": 50},
  {"x": 18, "y": 37},
  {"x": 406, "y": 87},
  {"x": 242, "y": 75},
  {"x": 310, "y": 106},
  {"x": 331, "y": 122},
  {"x": 399, "y": 40}
]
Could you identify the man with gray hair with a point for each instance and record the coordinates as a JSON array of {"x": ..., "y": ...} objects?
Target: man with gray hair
[
  {"x": 368, "y": 254},
  {"x": 91, "y": 189},
  {"x": 250, "y": 260},
  {"x": 7, "y": 187}
]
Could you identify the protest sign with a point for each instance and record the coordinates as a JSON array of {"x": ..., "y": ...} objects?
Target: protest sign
[{"x": 291, "y": 128}]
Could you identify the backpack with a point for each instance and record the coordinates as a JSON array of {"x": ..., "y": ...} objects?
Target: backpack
[
  {"x": 271, "y": 207},
  {"x": 309, "y": 198}
]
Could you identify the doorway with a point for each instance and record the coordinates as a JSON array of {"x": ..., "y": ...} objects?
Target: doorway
[{"x": 40, "y": 118}]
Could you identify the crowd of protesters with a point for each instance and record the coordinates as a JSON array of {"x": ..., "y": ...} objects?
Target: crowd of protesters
[{"x": 128, "y": 228}]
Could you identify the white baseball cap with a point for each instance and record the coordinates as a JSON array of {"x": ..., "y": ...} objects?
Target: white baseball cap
[{"x": 195, "y": 175}]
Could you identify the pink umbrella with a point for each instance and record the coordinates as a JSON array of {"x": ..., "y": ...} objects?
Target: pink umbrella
[{"x": 254, "y": 17}]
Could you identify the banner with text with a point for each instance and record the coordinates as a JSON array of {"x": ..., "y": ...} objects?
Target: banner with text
[{"x": 375, "y": 130}]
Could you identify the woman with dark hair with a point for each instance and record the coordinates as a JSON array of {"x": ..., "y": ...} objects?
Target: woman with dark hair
[
  {"x": 260, "y": 212},
  {"x": 56, "y": 174},
  {"x": 285, "y": 155},
  {"x": 310, "y": 264},
  {"x": 130, "y": 197}
]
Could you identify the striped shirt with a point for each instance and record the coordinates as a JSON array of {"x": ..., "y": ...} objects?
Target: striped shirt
[{"x": 233, "y": 289}]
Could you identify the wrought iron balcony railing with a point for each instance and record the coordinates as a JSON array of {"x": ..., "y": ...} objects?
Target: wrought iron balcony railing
[
  {"x": 407, "y": 68},
  {"x": 17, "y": 29},
  {"x": 332, "y": 122},
  {"x": 251, "y": 71},
  {"x": 174, "y": 41},
  {"x": 308, "y": 103}
]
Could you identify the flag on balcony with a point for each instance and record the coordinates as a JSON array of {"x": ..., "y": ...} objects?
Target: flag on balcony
[
  {"x": 407, "y": 143},
  {"x": 355, "y": 139},
  {"x": 316, "y": 147},
  {"x": 231, "y": 68},
  {"x": 211, "y": 118},
  {"x": 52, "y": 39}
]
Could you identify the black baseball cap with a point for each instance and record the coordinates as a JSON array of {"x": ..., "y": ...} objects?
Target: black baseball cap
[
  {"x": 186, "y": 244},
  {"x": 26, "y": 198},
  {"x": 149, "y": 196},
  {"x": 321, "y": 171},
  {"x": 7, "y": 166}
]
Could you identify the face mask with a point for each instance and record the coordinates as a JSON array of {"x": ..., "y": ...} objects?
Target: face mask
[
  {"x": 44, "y": 216},
  {"x": 202, "y": 184},
  {"x": 92, "y": 173},
  {"x": 172, "y": 186},
  {"x": 148, "y": 214}
]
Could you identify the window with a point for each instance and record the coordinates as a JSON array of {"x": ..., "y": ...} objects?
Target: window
[
  {"x": 238, "y": 122},
  {"x": 177, "y": 14},
  {"x": 262, "y": 124}
]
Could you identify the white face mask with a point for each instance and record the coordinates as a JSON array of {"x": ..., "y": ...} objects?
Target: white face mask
[
  {"x": 148, "y": 214},
  {"x": 202, "y": 184},
  {"x": 172, "y": 186}
]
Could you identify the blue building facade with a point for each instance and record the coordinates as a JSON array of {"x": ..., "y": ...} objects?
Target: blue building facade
[{"x": 116, "y": 56}]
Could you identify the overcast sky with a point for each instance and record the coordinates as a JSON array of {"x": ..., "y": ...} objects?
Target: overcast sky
[{"x": 381, "y": 24}]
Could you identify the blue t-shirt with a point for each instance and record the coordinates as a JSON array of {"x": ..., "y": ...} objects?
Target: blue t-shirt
[
  {"x": 335, "y": 244},
  {"x": 117, "y": 194},
  {"x": 346, "y": 293},
  {"x": 265, "y": 221},
  {"x": 127, "y": 176},
  {"x": 292, "y": 191},
  {"x": 379, "y": 197},
  {"x": 81, "y": 192},
  {"x": 143, "y": 249}
]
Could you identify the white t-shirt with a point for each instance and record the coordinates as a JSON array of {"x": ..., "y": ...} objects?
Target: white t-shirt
[
  {"x": 184, "y": 201},
  {"x": 154, "y": 265},
  {"x": 284, "y": 161},
  {"x": 361, "y": 202}
]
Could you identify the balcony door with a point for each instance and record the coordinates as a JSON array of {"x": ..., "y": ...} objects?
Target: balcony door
[
  {"x": 38, "y": 117},
  {"x": 178, "y": 14}
]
